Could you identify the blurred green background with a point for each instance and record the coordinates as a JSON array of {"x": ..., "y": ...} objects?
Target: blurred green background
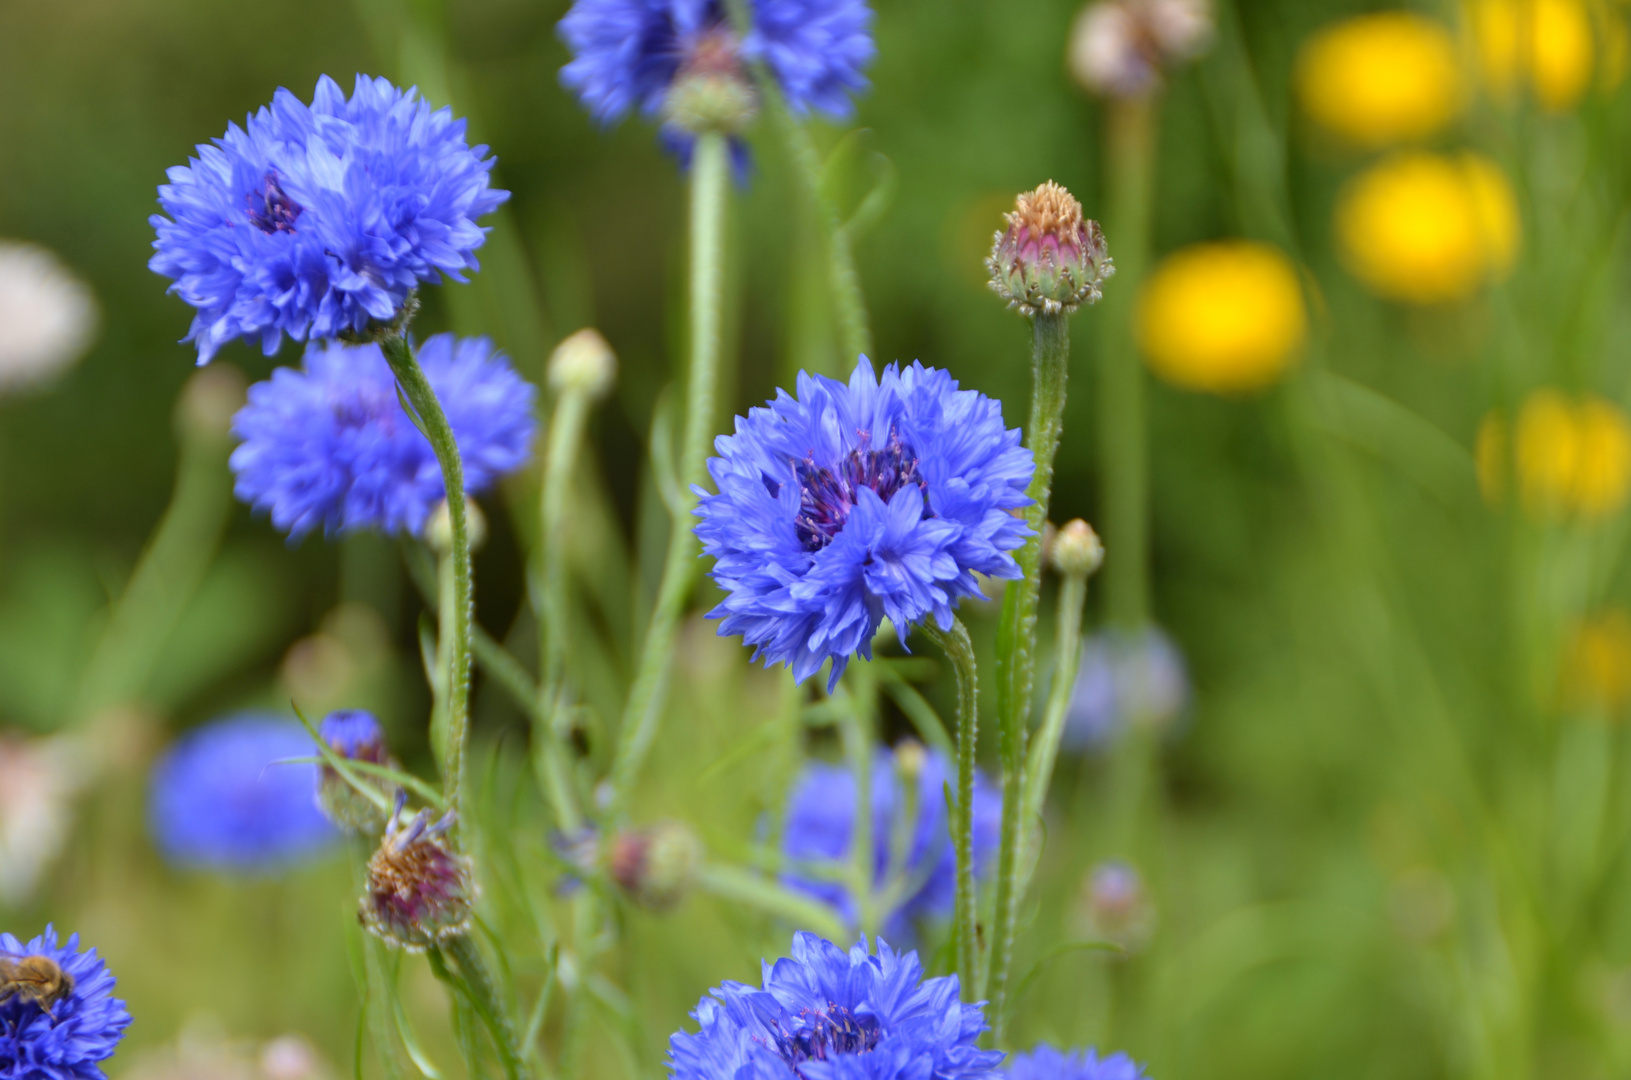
[{"x": 1384, "y": 846}]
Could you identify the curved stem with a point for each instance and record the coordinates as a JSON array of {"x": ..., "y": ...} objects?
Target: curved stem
[
  {"x": 1016, "y": 636},
  {"x": 554, "y": 777},
  {"x": 710, "y": 170},
  {"x": 455, "y": 617},
  {"x": 960, "y": 651}
]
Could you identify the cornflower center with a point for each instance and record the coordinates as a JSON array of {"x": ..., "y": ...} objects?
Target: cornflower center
[
  {"x": 270, "y": 209},
  {"x": 827, "y": 495},
  {"x": 828, "y": 1033}
]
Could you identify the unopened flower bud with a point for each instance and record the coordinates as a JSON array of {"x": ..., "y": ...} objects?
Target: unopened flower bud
[
  {"x": 419, "y": 892},
  {"x": 655, "y": 867},
  {"x": 1050, "y": 258},
  {"x": 356, "y": 736},
  {"x": 910, "y": 757},
  {"x": 209, "y": 401},
  {"x": 439, "y": 527},
  {"x": 583, "y": 363},
  {"x": 1115, "y": 906},
  {"x": 1076, "y": 549},
  {"x": 711, "y": 92}
]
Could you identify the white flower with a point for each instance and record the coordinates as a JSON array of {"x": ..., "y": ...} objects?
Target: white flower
[
  {"x": 48, "y": 317},
  {"x": 1119, "y": 47},
  {"x": 38, "y": 781}
]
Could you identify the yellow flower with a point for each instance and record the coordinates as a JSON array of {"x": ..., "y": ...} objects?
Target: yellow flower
[
  {"x": 1426, "y": 228},
  {"x": 1222, "y": 317},
  {"x": 1381, "y": 79},
  {"x": 1547, "y": 44},
  {"x": 1572, "y": 457},
  {"x": 1597, "y": 664}
]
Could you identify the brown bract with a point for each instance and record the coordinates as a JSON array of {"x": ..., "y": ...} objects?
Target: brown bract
[{"x": 1048, "y": 209}]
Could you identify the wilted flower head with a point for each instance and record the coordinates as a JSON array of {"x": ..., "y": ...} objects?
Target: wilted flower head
[
  {"x": 38, "y": 781},
  {"x": 420, "y": 893},
  {"x": 1115, "y": 906},
  {"x": 1046, "y": 1063},
  {"x": 1426, "y": 228},
  {"x": 655, "y": 866},
  {"x": 81, "y": 1029},
  {"x": 313, "y": 220},
  {"x": 48, "y": 317},
  {"x": 1119, "y": 48},
  {"x": 827, "y": 1015},
  {"x": 852, "y": 503},
  {"x": 220, "y": 799},
  {"x": 1050, "y": 258},
  {"x": 1125, "y": 678},
  {"x": 682, "y": 60},
  {"x": 1381, "y": 78},
  {"x": 356, "y": 736},
  {"x": 1223, "y": 317},
  {"x": 1550, "y": 45},
  {"x": 914, "y": 863},
  {"x": 331, "y": 444}
]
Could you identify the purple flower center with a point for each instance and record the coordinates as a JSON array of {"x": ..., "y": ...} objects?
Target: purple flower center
[
  {"x": 826, "y": 496},
  {"x": 270, "y": 209},
  {"x": 825, "y": 1034}
]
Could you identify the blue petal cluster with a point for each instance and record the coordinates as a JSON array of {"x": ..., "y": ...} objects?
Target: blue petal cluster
[
  {"x": 219, "y": 799},
  {"x": 331, "y": 444},
  {"x": 354, "y": 734},
  {"x": 312, "y": 220},
  {"x": 1046, "y": 1063},
  {"x": 626, "y": 53},
  {"x": 1125, "y": 678},
  {"x": 826, "y": 1014},
  {"x": 820, "y": 827},
  {"x": 83, "y": 1028},
  {"x": 855, "y": 502}
]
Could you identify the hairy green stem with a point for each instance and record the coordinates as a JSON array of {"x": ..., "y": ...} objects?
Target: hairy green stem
[
  {"x": 1044, "y": 749},
  {"x": 455, "y": 618},
  {"x": 959, "y": 649},
  {"x": 1016, "y": 636},
  {"x": 1130, "y": 134},
  {"x": 478, "y": 981},
  {"x": 710, "y": 178},
  {"x": 554, "y": 777}
]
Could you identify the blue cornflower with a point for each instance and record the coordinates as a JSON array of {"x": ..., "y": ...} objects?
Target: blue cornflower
[
  {"x": 1046, "y": 1063},
  {"x": 855, "y": 502},
  {"x": 627, "y": 53},
  {"x": 220, "y": 799},
  {"x": 915, "y": 863},
  {"x": 312, "y": 220},
  {"x": 829, "y": 1015},
  {"x": 331, "y": 445},
  {"x": 1125, "y": 678},
  {"x": 81, "y": 1028}
]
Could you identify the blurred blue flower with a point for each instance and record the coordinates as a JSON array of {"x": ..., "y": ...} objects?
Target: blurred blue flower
[
  {"x": 312, "y": 220},
  {"x": 1125, "y": 678},
  {"x": 626, "y": 53},
  {"x": 81, "y": 1030},
  {"x": 849, "y": 504},
  {"x": 354, "y": 734},
  {"x": 916, "y": 856},
  {"x": 828, "y": 1015},
  {"x": 220, "y": 800},
  {"x": 331, "y": 445},
  {"x": 1046, "y": 1063}
]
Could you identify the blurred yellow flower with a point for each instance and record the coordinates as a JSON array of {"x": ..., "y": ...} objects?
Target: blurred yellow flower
[
  {"x": 1546, "y": 44},
  {"x": 1221, "y": 317},
  {"x": 1569, "y": 457},
  {"x": 1381, "y": 79},
  {"x": 1489, "y": 453},
  {"x": 1427, "y": 228},
  {"x": 1597, "y": 664}
]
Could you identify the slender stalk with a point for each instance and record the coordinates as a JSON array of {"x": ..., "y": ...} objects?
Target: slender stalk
[
  {"x": 745, "y": 887},
  {"x": 709, "y": 181},
  {"x": 378, "y": 1006},
  {"x": 456, "y": 617},
  {"x": 1016, "y": 634},
  {"x": 1122, "y": 439},
  {"x": 565, "y": 435},
  {"x": 484, "y": 998},
  {"x": 857, "y": 733},
  {"x": 959, "y": 649}
]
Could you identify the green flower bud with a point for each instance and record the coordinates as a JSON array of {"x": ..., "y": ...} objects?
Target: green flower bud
[
  {"x": 1076, "y": 549},
  {"x": 439, "y": 527},
  {"x": 655, "y": 867},
  {"x": 585, "y": 363}
]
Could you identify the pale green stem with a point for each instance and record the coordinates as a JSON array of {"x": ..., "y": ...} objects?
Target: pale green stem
[
  {"x": 710, "y": 178},
  {"x": 1044, "y": 749},
  {"x": 857, "y": 733},
  {"x": 455, "y": 618},
  {"x": 487, "y": 1003},
  {"x": 959, "y": 649},
  {"x": 554, "y": 776},
  {"x": 380, "y": 1008},
  {"x": 1122, "y": 437},
  {"x": 746, "y": 887},
  {"x": 1016, "y": 635}
]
